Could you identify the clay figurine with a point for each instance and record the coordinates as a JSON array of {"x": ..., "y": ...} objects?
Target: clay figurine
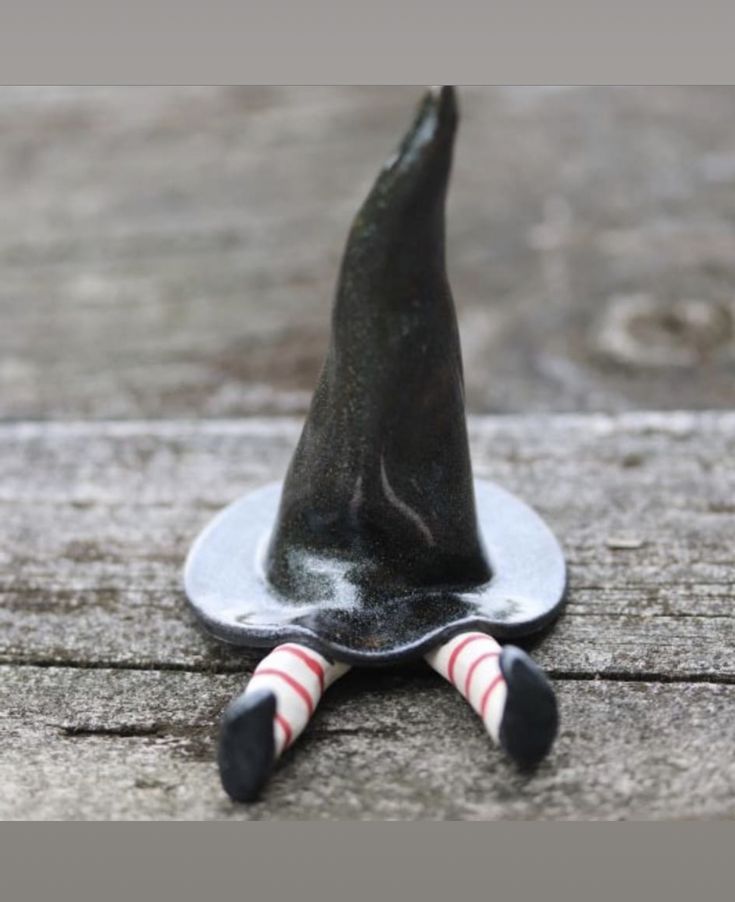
[{"x": 379, "y": 547}]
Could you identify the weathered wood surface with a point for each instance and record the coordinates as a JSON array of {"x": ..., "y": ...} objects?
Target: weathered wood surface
[
  {"x": 167, "y": 259},
  {"x": 171, "y": 252},
  {"x": 110, "y": 693},
  {"x": 130, "y": 744}
]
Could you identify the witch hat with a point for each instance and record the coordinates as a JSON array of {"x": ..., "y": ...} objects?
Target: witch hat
[
  {"x": 381, "y": 479},
  {"x": 379, "y": 544}
]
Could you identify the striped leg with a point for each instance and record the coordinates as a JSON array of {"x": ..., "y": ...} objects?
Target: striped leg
[
  {"x": 506, "y": 688},
  {"x": 270, "y": 715}
]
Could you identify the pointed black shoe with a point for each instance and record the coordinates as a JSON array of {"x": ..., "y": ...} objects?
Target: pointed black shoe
[
  {"x": 246, "y": 746},
  {"x": 530, "y": 718}
]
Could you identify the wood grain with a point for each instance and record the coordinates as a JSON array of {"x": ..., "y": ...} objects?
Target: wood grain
[
  {"x": 172, "y": 252},
  {"x": 97, "y": 519},
  {"x": 167, "y": 261},
  {"x": 389, "y": 745}
]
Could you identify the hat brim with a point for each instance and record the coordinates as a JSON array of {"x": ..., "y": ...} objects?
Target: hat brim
[{"x": 226, "y": 586}]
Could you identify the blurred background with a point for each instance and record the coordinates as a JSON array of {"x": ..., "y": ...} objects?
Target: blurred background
[{"x": 172, "y": 252}]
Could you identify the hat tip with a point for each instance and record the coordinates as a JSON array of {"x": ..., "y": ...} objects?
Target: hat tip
[
  {"x": 442, "y": 100},
  {"x": 435, "y": 125}
]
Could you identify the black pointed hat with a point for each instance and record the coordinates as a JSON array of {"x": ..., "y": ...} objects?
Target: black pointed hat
[
  {"x": 372, "y": 550},
  {"x": 381, "y": 478}
]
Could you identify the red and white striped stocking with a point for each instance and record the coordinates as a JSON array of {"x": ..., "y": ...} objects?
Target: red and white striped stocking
[
  {"x": 471, "y": 663},
  {"x": 509, "y": 692},
  {"x": 298, "y": 677}
]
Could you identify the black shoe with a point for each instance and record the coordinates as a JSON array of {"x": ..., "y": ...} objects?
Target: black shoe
[
  {"x": 530, "y": 718},
  {"x": 246, "y": 745}
]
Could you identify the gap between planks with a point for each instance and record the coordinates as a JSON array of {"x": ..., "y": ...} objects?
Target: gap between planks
[{"x": 561, "y": 675}]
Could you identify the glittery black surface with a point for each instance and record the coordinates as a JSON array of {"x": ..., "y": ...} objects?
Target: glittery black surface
[
  {"x": 381, "y": 478},
  {"x": 372, "y": 548}
]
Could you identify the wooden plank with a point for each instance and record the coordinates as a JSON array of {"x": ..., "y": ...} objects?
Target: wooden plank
[
  {"x": 399, "y": 745},
  {"x": 96, "y": 519},
  {"x": 172, "y": 252}
]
